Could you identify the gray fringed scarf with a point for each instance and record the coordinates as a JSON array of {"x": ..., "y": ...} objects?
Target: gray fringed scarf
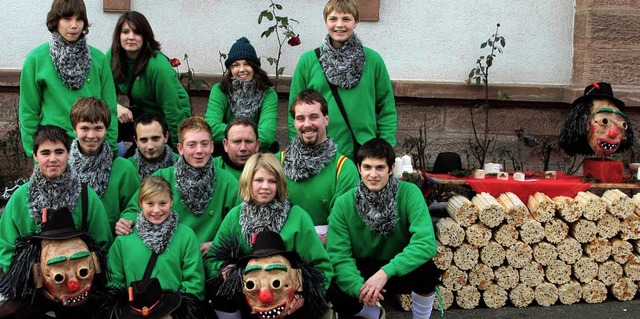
[
  {"x": 72, "y": 60},
  {"x": 195, "y": 185},
  {"x": 60, "y": 192},
  {"x": 147, "y": 167},
  {"x": 245, "y": 99},
  {"x": 156, "y": 237},
  {"x": 378, "y": 210},
  {"x": 343, "y": 66},
  {"x": 258, "y": 218},
  {"x": 92, "y": 169},
  {"x": 302, "y": 161}
]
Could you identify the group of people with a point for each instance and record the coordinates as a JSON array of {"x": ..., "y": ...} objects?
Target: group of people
[{"x": 330, "y": 196}]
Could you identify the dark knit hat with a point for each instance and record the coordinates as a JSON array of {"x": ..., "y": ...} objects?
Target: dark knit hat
[{"x": 241, "y": 50}]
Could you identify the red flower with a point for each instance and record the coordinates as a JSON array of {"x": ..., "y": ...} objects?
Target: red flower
[
  {"x": 294, "y": 41},
  {"x": 174, "y": 62}
]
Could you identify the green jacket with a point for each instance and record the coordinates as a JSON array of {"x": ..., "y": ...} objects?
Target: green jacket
[
  {"x": 370, "y": 105},
  {"x": 44, "y": 99},
  {"x": 298, "y": 235},
  {"x": 205, "y": 226},
  {"x": 218, "y": 114},
  {"x": 134, "y": 161},
  {"x": 219, "y": 162},
  {"x": 16, "y": 222},
  {"x": 339, "y": 176},
  {"x": 123, "y": 183},
  {"x": 178, "y": 268},
  {"x": 157, "y": 90},
  {"x": 410, "y": 245}
]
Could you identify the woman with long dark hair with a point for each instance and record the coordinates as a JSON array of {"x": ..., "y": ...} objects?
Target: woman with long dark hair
[
  {"x": 146, "y": 76},
  {"x": 245, "y": 91}
]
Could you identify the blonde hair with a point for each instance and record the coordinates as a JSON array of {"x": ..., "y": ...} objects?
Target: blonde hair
[
  {"x": 343, "y": 6},
  {"x": 268, "y": 162},
  {"x": 153, "y": 186}
]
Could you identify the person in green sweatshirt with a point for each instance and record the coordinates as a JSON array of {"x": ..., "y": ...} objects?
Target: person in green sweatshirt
[
  {"x": 178, "y": 265},
  {"x": 360, "y": 79},
  {"x": 152, "y": 152},
  {"x": 245, "y": 91},
  {"x": 53, "y": 184},
  {"x": 114, "y": 178},
  {"x": 381, "y": 240},
  {"x": 313, "y": 162},
  {"x": 240, "y": 142},
  {"x": 58, "y": 72},
  {"x": 265, "y": 207},
  {"x": 203, "y": 195},
  {"x": 145, "y": 76}
]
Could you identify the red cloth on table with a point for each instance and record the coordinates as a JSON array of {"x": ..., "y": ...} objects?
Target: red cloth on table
[
  {"x": 606, "y": 170},
  {"x": 562, "y": 185}
]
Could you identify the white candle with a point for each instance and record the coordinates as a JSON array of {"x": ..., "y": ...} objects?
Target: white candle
[
  {"x": 406, "y": 164},
  {"x": 397, "y": 170}
]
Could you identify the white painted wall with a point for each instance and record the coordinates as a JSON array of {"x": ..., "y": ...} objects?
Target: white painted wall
[{"x": 425, "y": 40}]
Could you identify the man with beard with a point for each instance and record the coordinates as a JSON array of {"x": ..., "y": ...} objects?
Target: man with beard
[
  {"x": 316, "y": 172},
  {"x": 381, "y": 240},
  {"x": 202, "y": 194},
  {"x": 52, "y": 185},
  {"x": 240, "y": 142},
  {"x": 152, "y": 152},
  {"x": 113, "y": 178}
]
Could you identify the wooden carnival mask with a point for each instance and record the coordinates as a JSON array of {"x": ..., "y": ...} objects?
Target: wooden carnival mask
[
  {"x": 607, "y": 128},
  {"x": 269, "y": 285}
]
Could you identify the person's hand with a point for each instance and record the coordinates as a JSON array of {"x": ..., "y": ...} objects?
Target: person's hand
[
  {"x": 124, "y": 227},
  {"x": 296, "y": 303},
  {"x": 372, "y": 290},
  {"x": 323, "y": 239},
  {"x": 204, "y": 248},
  {"x": 124, "y": 114}
]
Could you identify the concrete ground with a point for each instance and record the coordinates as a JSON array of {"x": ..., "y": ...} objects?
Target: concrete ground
[{"x": 608, "y": 310}]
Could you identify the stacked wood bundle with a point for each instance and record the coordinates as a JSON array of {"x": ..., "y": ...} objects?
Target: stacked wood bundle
[
  {"x": 406, "y": 303},
  {"x": 561, "y": 250},
  {"x": 447, "y": 298}
]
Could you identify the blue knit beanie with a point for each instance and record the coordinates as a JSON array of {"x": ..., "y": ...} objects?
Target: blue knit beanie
[{"x": 241, "y": 50}]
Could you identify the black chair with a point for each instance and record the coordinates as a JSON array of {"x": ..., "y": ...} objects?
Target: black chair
[{"x": 446, "y": 162}]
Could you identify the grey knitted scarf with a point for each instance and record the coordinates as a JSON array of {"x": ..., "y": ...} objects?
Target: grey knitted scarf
[
  {"x": 156, "y": 237},
  {"x": 302, "y": 161},
  {"x": 258, "y": 218},
  {"x": 60, "y": 192},
  {"x": 72, "y": 60},
  {"x": 245, "y": 99},
  {"x": 147, "y": 167},
  {"x": 378, "y": 210},
  {"x": 92, "y": 169},
  {"x": 343, "y": 66},
  {"x": 195, "y": 185}
]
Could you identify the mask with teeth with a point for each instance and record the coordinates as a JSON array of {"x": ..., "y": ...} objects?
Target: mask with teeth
[
  {"x": 607, "y": 128},
  {"x": 66, "y": 270},
  {"x": 269, "y": 285}
]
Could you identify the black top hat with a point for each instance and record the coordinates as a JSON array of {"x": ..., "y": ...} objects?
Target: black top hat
[
  {"x": 267, "y": 243},
  {"x": 149, "y": 301},
  {"x": 446, "y": 162},
  {"x": 57, "y": 224},
  {"x": 600, "y": 90}
]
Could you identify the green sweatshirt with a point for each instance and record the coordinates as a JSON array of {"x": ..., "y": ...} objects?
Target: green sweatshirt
[
  {"x": 157, "y": 90},
  {"x": 205, "y": 226},
  {"x": 123, "y": 183},
  {"x": 411, "y": 244},
  {"x": 16, "y": 222},
  {"x": 370, "y": 106},
  {"x": 297, "y": 233},
  {"x": 218, "y": 162},
  {"x": 44, "y": 99},
  {"x": 178, "y": 268},
  {"x": 327, "y": 186},
  {"x": 219, "y": 113}
]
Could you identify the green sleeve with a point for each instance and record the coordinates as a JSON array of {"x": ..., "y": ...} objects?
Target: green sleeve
[
  {"x": 98, "y": 223},
  {"x": 129, "y": 183},
  {"x": 347, "y": 276},
  {"x": 114, "y": 262},
  {"x": 422, "y": 245},
  {"x": 29, "y": 108},
  {"x": 268, "y": 121},
  {"x": 132, "y": 209},
  {"x": 211, "y": 265},
  {"x": 192, "y": 267},
  {"x": 9, "y": 230},
  {"x": 348, "y": 179},
  {"x": 108, "y": 94},
  {"x": 309, "y": 247},
  {"x": 168, "y": 92},
  {"x": 387, "y": 120},
  {"x": 299, "y": 82},
  {"x": 216, "y": 107}
]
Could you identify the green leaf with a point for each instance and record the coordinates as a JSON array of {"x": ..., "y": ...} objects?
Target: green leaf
[
  {"x": 483, "y": 45},
  {"x": 490, "y": 42},
  {"x": 478, "y": 80},
  {"x": 269, "y": 16},
  {"x": 262, "y": 15},
  {"x": 502, "y": 41},
  {"x": 471, "y": 74},
  {"x": 280, "y": 71},
  {"x": 279, "y": 7},
  {"x": 284, "y": 21}
]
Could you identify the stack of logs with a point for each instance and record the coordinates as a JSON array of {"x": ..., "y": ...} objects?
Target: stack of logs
[{"x": 550, "y": 250}]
